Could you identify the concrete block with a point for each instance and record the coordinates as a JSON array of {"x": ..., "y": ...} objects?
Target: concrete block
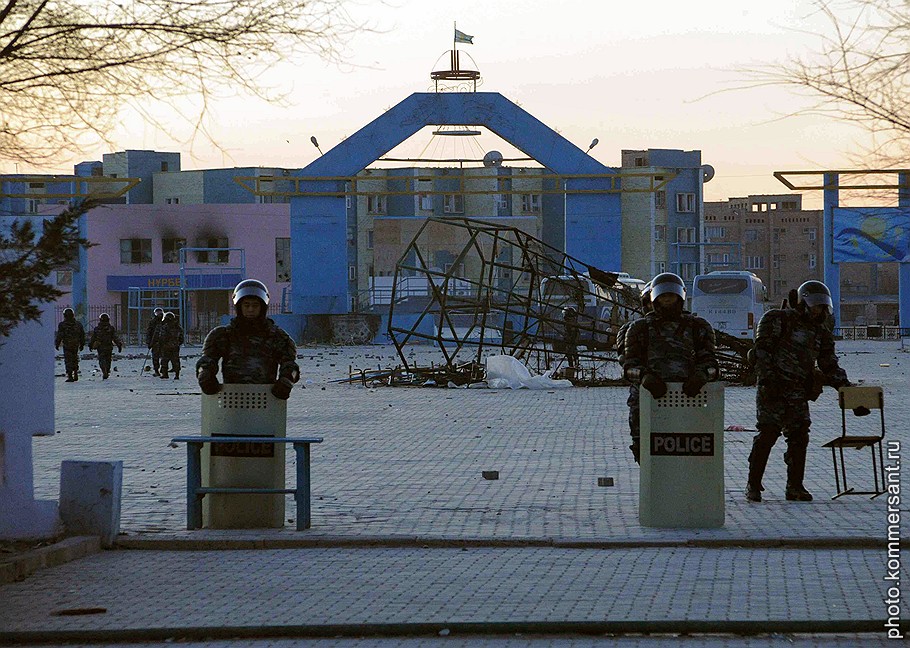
[{"x": 90, "y": 494}]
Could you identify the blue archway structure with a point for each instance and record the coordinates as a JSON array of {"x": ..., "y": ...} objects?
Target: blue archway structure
[{"x": 319, "y": 275}]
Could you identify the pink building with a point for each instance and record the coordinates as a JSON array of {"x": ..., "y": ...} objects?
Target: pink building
[{"x": 136, "y": 263}]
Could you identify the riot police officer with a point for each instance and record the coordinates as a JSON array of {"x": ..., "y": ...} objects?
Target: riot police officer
[
  {"x": 669, "y": 345},
  {"x": 152, "y": 339},
  {"x": 72, "y": 336},
  {"x": 633, "y": 400},
  {"x": 252, "y": 349},
  {"x": 104, "y": 337},
  {"x": 789, "y": 343},
  {"x": 570, "y": 335},
  {"x": 170, "y": 335}
]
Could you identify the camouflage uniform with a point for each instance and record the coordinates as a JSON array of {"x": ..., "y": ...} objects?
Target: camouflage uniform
[
  {"x": 788, "y": 345},
  {"x": 170, "y": 337},
  {"x": 103, "y": 340},
  {"x": 153, "y": 342},
  {"x": 633, "y": 400},
  {"x": 570, "y": 337},
  {"x": 251, "y": 352},
  {"x": 71, "y": 334},
  {"x": 673, "y": 349}
]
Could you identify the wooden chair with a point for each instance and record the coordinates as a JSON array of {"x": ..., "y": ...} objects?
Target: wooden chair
[{"x": 850, "y": 398}]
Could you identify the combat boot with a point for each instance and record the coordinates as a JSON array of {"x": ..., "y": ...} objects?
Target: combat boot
[
  {"x": 795, "y": 458},
  {"x": 75, "y": 376},
  {"x": 164, "y": 375},
  {"x": 758, "y": 461},
  {"x": 69, "y": 377}
]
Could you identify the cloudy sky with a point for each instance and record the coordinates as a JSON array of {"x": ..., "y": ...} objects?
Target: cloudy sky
[{"x": 654, "y": 74}]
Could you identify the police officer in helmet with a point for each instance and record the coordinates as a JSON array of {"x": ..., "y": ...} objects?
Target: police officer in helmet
[
  {"x": 794, "y": 360},
  {"x": 251, "y": 349},
  {"x": 669, "y": 345}
]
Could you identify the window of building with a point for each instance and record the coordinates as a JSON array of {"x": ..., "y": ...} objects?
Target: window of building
[
  {"x": 755, "y": 262},
  {"x": 64, "y": 277},
  {"x": 812, "y": 261},
  {"x": 660, "y": 232},
  {"x": 36, "y": 185},
  {"x": 716, "y": 232},
  {"x": 369, "y": 239},
  {"x": 687, "y": 271},
  {"x": 811, "y": 233},
  {"x": 212, "y": 256},
  {"x": 352, "y": 235},
  {"x": 639, "y": 161},
  {"x": 789, "y": 204},
  {"x": 172, "y": 201},
  {"x": 164, "y": 166},
  {"x": 375, "y": 204},
  {"x": 170, "y": 249},
  {"x": 661, "y": 267},
  {"x": 31, "y": 205},
  {"x": 660, "y": 199},
  {"x": 777, "y": 259},
  {"x": 282, "y": 259},
  {"x": 352, "y": 273},
  {"x": 453, "y": 203},
  {"x": 780, "y": 285},
  {"x": 777, "y": 232},
  {"x": 750, "y": 235},
  {"x": 135, "y": 251},
  {"x": 530, "y": 203},
  {"x": 500, "y": 201},
  {"x": 685, "y": 203},
  {"x": 97, "y": 171},
  {"x": 685, "y": 235}
]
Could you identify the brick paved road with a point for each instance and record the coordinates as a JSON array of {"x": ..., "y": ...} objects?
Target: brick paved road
[{"x": 408, "y": 461}]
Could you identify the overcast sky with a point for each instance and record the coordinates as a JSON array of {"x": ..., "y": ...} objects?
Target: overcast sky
[{"x": 632, "y": 74}]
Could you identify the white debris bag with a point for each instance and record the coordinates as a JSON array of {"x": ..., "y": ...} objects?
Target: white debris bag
[{"x": 504, "y": 371}]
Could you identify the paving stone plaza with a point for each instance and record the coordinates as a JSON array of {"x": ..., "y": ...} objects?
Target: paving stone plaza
[{"x": 408, "y": 538}]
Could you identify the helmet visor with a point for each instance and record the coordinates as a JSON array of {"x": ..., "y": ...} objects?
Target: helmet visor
[{"x": 819, "y": 299}]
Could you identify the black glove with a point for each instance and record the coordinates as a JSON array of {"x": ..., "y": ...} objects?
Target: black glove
[
  {"x": 282, "y": 389},
  {"x": 119, "y": 349},
  {"x": 209, "y": 385},
  {"x": 654, "y": 384},
  {"x": 57, "y": 346},
  {"x": 815, "y": 383},
  {"x": 862, "y": 410},
  {"x": 693, "y": 384}
]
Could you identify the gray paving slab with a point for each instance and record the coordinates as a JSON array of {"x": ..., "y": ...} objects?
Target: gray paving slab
[
  {"x": 540, "y": 641},
  {"x": 407, "y": 462},
  {"x": 140, "y": 591},
  {"x": 403, "y": 466}
]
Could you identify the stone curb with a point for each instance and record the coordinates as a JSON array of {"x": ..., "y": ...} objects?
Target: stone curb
[
  {"x": 436, "y": 629},
  {"x": 252, "y": 543},
  {"x": 18, "y": 567}
]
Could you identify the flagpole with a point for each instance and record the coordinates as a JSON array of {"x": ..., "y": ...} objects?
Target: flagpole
[{"x": 454, "y": 29}]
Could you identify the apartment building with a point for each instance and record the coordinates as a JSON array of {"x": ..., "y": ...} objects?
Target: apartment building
[{"x": 775, "y": 238}]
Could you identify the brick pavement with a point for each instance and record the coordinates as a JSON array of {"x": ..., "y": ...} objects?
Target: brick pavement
[
  {"x": 407, "y": 462},
  {"x": 403, "y": 465}
]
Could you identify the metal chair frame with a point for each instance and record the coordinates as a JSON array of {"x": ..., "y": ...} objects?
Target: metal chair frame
[{"x": 849, "y": 398}]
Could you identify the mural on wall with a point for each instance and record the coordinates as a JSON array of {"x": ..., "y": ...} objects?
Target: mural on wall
[{"x": 871, "y": 235}]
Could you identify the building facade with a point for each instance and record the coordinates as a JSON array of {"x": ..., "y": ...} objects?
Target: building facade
[{"x": 662, "y": 229}]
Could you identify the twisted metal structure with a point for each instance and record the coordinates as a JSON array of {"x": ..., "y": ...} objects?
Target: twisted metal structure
[{"x": 476, "y": 288}]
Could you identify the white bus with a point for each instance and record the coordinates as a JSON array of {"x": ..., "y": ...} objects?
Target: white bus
[{"x": 732, "y": 301}]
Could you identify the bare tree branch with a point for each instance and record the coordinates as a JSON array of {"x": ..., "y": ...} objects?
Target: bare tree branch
[
  {"x": 67, "y": 67},
  {"x": 859, "y": 73}
]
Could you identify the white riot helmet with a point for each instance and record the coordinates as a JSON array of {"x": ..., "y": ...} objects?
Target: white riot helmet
[
  {"x": 667, "y": 282},
  {"x": 251, "y": 288}
]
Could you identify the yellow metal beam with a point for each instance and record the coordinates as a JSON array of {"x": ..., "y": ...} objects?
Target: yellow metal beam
[
  {"x": 296, "y": 186},
  {"x": 82, "y": 187},
  {"x": 791, "y": 183}
]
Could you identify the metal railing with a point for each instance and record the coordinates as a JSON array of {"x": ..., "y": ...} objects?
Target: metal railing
[{"x": 871, "y": 332}]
